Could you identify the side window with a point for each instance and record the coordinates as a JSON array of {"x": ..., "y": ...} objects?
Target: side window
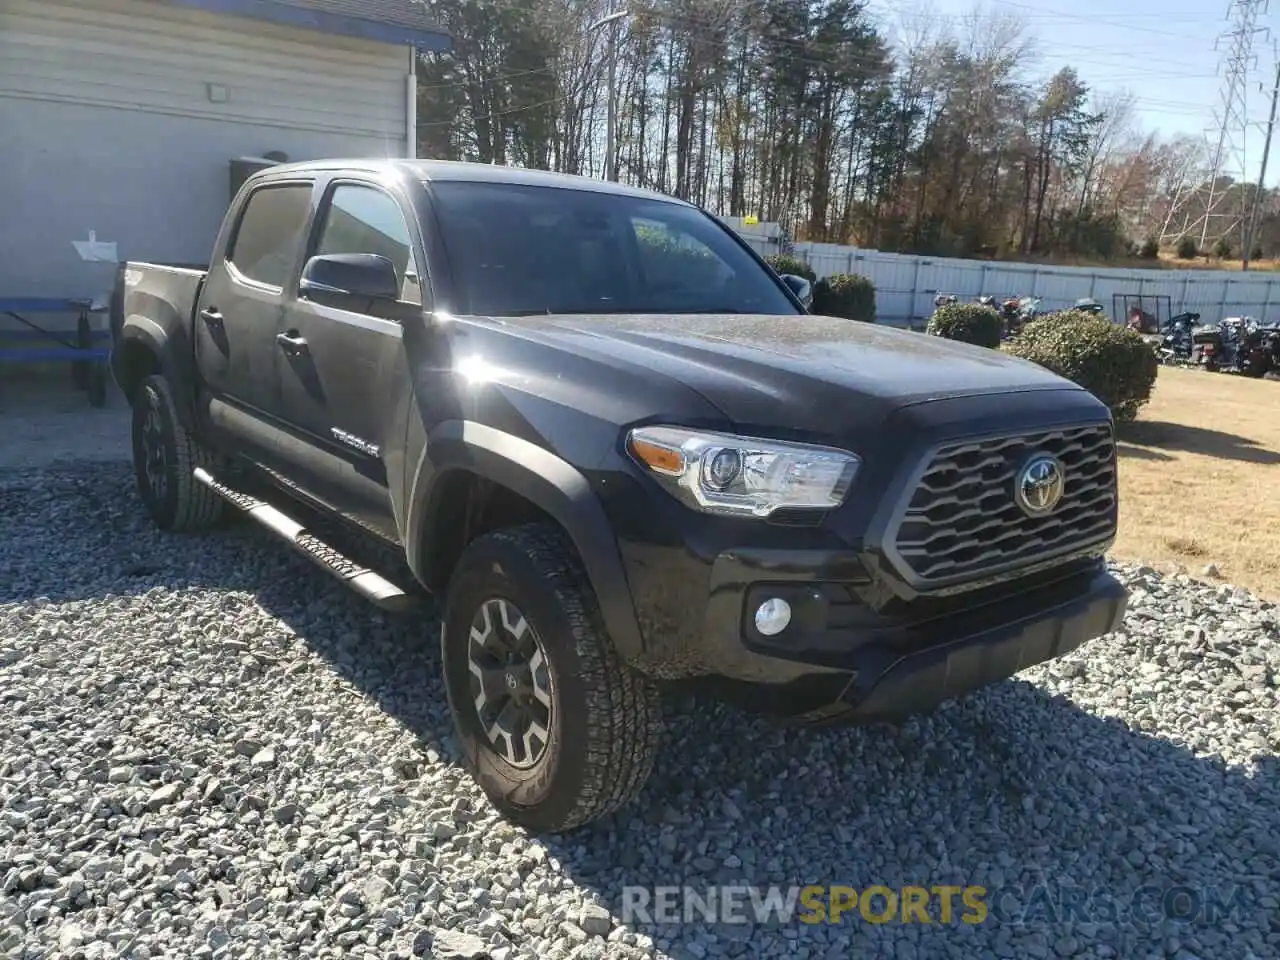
[
  {"x": 270, "y": 232},
  {"x": 671, "y": 258},
  {"x": 366, "y": 220}
]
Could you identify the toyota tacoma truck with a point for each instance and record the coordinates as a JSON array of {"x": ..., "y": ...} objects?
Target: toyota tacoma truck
[{"x": 620, "y": 452}]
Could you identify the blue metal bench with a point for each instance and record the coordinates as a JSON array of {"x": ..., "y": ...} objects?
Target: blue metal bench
[{"x": 87, "y": 350}]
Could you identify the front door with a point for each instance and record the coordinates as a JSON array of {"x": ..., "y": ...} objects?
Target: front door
[
  {"x": 239, "y": 314},
  {"x": 346, "y": 383}
]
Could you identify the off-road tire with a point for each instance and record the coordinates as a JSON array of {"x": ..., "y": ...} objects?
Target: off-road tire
[
  {"x": 606, "y": 719},
  {"x": 185, "y": 505}
]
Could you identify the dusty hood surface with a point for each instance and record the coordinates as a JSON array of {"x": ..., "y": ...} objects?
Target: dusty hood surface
[{"x": 776, "y": 353}]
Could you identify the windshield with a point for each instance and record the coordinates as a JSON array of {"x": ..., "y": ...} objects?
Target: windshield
[{"x": 518, "y": 250}]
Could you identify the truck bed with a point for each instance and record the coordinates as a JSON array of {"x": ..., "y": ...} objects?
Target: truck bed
[{"x": 165, "y": 293}]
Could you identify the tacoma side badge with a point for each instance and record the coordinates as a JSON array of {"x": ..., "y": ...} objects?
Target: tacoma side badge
[{"x": 351, "y": 440}]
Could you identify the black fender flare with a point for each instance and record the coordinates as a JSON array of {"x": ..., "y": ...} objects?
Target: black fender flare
[
  {"x": 545, "y": 480},
  {"x": 152, "y": 337}
]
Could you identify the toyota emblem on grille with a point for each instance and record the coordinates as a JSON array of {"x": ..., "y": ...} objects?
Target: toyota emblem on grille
[{"x": 1040, "y": 485}]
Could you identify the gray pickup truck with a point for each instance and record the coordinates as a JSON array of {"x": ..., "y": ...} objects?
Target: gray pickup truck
[{"x": 619, "y": 448}]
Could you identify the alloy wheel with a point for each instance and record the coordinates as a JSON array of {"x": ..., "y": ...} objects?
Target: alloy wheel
[
  {"x": 510, "y": 683},
  {"x": 155, "y": 459}
]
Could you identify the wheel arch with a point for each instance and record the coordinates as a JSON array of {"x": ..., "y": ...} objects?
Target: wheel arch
[
  {"x": 144, "y": 348},
  {"x": 530, "y": 482}
]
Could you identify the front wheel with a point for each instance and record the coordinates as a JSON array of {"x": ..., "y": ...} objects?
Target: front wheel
[{"x": 556, "y": 728}]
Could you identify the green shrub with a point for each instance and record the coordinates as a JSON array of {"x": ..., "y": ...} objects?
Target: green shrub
[
  {"x": 968, "y": 323},
  {"x": 669, "y": 261},
  {"x": 847, "y": 295},
  {"x": 1222, "y": 249},
  {"x": 785, "y": 263},
  {"x": 1150, "y": 249},
  {"x": 1110, "y": 361},
  {"x": 1187, "y": 249}
]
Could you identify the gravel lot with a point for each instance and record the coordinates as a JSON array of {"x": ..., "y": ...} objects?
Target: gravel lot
[{"x": 210, "y": 749}]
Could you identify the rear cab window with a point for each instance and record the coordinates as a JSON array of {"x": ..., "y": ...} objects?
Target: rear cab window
[{"x": 270, "y": 233}]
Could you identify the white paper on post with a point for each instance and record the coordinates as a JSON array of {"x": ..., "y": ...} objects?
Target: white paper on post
[{"x": 94, "y": 250}]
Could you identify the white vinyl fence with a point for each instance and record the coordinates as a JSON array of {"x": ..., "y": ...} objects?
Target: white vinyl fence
[{"x": 906, "y": 284}]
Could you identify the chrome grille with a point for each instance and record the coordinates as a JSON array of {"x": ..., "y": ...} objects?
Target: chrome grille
[{"x": 963, "y": 522}]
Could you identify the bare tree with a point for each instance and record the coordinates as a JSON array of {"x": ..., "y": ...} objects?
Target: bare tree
[{"x": 952, "y": 136}]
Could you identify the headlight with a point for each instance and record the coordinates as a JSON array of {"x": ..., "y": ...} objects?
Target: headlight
[{"x": 743, "y": 476}]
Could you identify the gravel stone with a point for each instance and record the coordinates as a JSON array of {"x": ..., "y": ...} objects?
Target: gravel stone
[
  {"x": 264, "y": 758},
  {"x": 452, "y": 945},
  {"x": 595, "y": 920},
  {"x": 163, "y": 796},
  {"x": 138, "y": 820}
]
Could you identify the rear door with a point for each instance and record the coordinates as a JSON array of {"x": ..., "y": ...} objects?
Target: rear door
[
  {"x": 240, "y": 310},
  {"x": 345, "y": 389}
]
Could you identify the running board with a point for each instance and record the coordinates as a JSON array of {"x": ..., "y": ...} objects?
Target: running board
[{"x": 364, "y": 581}]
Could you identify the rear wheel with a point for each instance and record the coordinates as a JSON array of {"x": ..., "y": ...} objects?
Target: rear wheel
[
  {"x": 164, "y": 458},
  {"x": 556, "y": 729}
]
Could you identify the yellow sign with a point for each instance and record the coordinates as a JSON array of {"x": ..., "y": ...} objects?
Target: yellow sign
[
  {"x": 879, "y": 904},
  {"x": 750, "y": 221}
]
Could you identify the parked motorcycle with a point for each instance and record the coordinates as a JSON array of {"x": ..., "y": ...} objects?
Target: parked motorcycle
[
  {"x": 1207, "y": 347},
  {"x": 1017, "y": 312},
  {"x": 1009, "y": 314},
  {"x": 1028, "y": 310},
  {"x": 943, "y": 299},
  {"x": 1261, "y": 352},
  {"x": 1176, "y": 344},
  {"x": 1235, "y": 332},
  {"x": 1236, "y": 345},
  {"x": 1257, "y": 351}
]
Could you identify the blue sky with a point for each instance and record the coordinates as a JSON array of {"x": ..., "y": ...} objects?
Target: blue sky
[{"x": 1161, "y": 51}]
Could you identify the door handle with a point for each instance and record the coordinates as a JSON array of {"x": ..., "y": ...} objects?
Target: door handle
[
  {"x": 291, "y": 342},
  {"x": 211, "y": 316}
]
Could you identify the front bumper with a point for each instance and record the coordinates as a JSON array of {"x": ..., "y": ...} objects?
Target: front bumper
[
  {"x": 893, "y": 685},
  {"x": 849, "y": 656}
]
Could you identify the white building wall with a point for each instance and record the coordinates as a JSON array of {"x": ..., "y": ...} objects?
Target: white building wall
[{"x": 122, "y": 117}]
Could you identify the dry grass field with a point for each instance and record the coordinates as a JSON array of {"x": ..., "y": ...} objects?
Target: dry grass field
[{"x": 1200, "y": 478}]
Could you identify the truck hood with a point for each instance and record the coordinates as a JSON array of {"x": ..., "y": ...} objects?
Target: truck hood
[{"x": 792, "y": 370}]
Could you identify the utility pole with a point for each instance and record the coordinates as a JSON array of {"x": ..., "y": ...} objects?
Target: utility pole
[{"x": 1262, "y": 175}]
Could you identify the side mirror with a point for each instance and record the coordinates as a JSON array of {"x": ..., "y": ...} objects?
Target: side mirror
[
  {"x": 801, "y": 287},
  {"x": 363, "y": 277}
]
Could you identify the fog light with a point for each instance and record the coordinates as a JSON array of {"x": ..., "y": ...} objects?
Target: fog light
[{"x": 773, "y": 616}]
